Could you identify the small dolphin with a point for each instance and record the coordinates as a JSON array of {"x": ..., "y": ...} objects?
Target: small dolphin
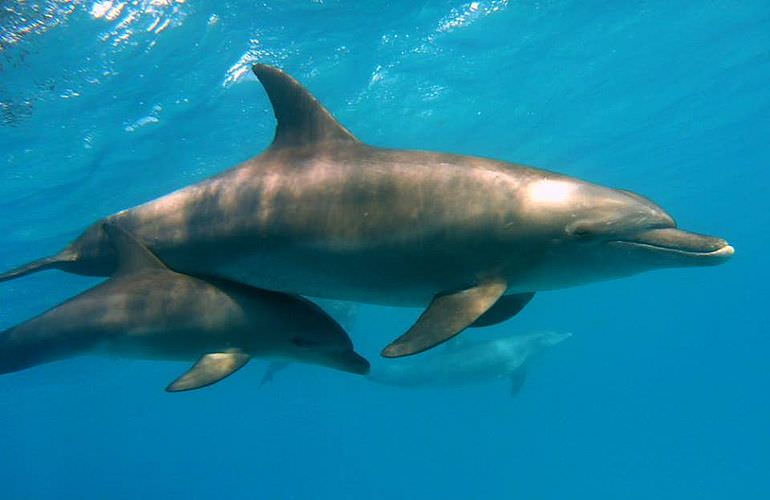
[
  {"x": 466, "y": 363},
  {"x": 148, "y": 311},
  {"x": 322, "y": 214}
]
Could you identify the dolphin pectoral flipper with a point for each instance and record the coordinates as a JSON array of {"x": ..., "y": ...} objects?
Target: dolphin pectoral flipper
[
  {"x": 518, "y": 377},
  {"x": 273, "y": 368},
  {"x": 210, "y": 369},
  {"x": 301, "y": 118},
  {"x": 445, "y": 317},
  {"x": 504, "y": 309}
]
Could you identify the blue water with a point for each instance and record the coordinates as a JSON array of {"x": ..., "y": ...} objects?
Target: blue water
[{"x": 662, "y": 392}]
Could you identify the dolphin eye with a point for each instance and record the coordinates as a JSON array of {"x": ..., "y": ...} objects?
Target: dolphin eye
[{"x": 582, "y": 232}]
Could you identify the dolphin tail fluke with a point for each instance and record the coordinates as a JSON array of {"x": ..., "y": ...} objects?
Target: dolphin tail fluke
[{"x": 54, "y": 262}]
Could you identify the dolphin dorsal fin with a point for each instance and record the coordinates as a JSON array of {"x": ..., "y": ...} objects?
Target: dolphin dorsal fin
[
  {"x": 132, "y": 255},
  {"x": 302, "y": 120}
]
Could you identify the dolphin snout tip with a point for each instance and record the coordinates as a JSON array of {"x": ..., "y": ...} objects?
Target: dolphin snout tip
[
  {"x": 355, "y": 363},
  {"x": 720, "y": 255},
  {"x": 724, "y": 251}
]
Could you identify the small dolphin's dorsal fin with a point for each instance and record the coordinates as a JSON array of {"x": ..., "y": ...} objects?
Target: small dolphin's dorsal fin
[
  {"x": 302, "y": 120},
  {"x": 132, "y": 255}
]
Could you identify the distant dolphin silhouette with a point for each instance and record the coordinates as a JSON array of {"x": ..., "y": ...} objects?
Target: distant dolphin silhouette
[
  {"x": 148, "y": 311},
  {"x": 320, "y": 213},
  {"x": 469, "y": 362}
]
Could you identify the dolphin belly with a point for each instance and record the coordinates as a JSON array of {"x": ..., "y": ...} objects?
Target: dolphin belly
[
  {"x": 162, "y": 343},
  {"x": 331, "y": 277}
]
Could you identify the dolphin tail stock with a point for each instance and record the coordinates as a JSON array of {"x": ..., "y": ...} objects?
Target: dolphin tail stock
[
  {"x": 12, "y": 356},
  {"x": 19, "y": 353},
  {"x": 34, "y": 343},
  {"x": 57, "y": 261}
]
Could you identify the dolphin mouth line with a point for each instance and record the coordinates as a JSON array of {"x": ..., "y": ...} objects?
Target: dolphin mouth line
[
  {"x": 724, "y": 251},
  {"x": 674, "y": 242}
]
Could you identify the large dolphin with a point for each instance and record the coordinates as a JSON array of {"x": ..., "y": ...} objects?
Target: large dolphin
[
  {"x": 463, "y": 363},
  {"x": 320, "y": 213},
  {"x": 148, "y": 311}
]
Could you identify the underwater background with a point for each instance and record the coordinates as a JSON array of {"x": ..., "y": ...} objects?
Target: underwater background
[{"x": 662, "y": 390}]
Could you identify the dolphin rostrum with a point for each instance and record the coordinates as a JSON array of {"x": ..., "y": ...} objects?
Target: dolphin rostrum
[
  {"x": 148, "y": 311},
  {"x": 463, "y": 363},
  {"x": 320, "y": 213}
]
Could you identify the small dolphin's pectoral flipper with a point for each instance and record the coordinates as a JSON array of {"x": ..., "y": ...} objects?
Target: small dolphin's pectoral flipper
[
  {"x": 504, "y": 309},
  {"x": 132, "y": 255},
  {"x": 273, "y": 368},
  {"x": 210, "y": 369},
  {"x": 445, "y": 317},
  {"x": 302, "y": 120},
  {"x": 518, "y": 377}
]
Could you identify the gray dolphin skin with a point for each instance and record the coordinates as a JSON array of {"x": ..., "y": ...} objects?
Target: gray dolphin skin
[
  {"x": 321, "y": 214},
  {"x": 148, "y": 311},
  {"x": 463, "y": 363}
]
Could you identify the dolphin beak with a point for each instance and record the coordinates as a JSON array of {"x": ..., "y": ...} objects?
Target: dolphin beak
[
  {"x": 351, "y": 362},
  {"x": 683, "y": 247}
]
